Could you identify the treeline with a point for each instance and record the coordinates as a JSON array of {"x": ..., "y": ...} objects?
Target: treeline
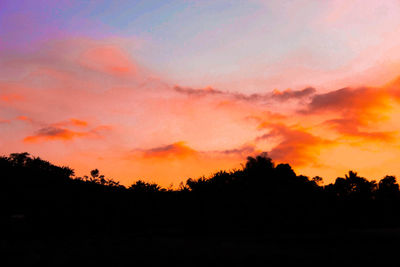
[{"x": 38, "y": 197}]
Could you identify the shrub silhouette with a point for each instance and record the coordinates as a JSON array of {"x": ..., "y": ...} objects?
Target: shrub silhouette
[
  {"x": 144, "y": 187},
  {"x": 96, "y": 178}
]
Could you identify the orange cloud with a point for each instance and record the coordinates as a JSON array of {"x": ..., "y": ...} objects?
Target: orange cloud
[
  {"x": 53, "y": 133},
  {"x": 359, "y": 103},
  {"x": 357, "y": 111},
  {"x": 350, "y": 128},
  {"x": 296, "y": 146}
]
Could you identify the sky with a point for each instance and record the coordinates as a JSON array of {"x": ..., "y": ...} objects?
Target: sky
[{"x": 164, "y": 91}]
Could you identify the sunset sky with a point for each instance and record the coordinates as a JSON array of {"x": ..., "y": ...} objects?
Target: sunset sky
[{"x": 167, "y": 90}]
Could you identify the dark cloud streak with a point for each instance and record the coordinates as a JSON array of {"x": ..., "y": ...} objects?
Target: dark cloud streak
[{"x": 274, "y": 96}]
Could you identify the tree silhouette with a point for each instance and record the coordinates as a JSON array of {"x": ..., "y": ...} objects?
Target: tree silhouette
[{"x": 388, "y": 188}]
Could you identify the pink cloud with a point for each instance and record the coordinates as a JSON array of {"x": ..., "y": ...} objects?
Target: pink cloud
[{"x": 108, "y": 59}]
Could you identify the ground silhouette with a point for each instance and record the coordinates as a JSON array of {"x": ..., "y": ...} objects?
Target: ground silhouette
[{"x": 261, "y": 214}]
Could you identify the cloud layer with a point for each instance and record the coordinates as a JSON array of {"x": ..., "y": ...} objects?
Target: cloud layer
[{"x": 175, "y": 100}]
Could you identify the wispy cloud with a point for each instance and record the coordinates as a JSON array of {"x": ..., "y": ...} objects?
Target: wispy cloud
[
  {"x": 293, "y": 94},
  {"x": 276, "y": 95}
]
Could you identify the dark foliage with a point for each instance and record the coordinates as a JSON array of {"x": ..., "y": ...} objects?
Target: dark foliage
[{"x": 40, "y": 200}]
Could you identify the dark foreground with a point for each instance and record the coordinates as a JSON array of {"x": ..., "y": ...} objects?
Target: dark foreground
[
  {"x": 355, "y": 247},
  {"x": 262, "y": 215}
]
